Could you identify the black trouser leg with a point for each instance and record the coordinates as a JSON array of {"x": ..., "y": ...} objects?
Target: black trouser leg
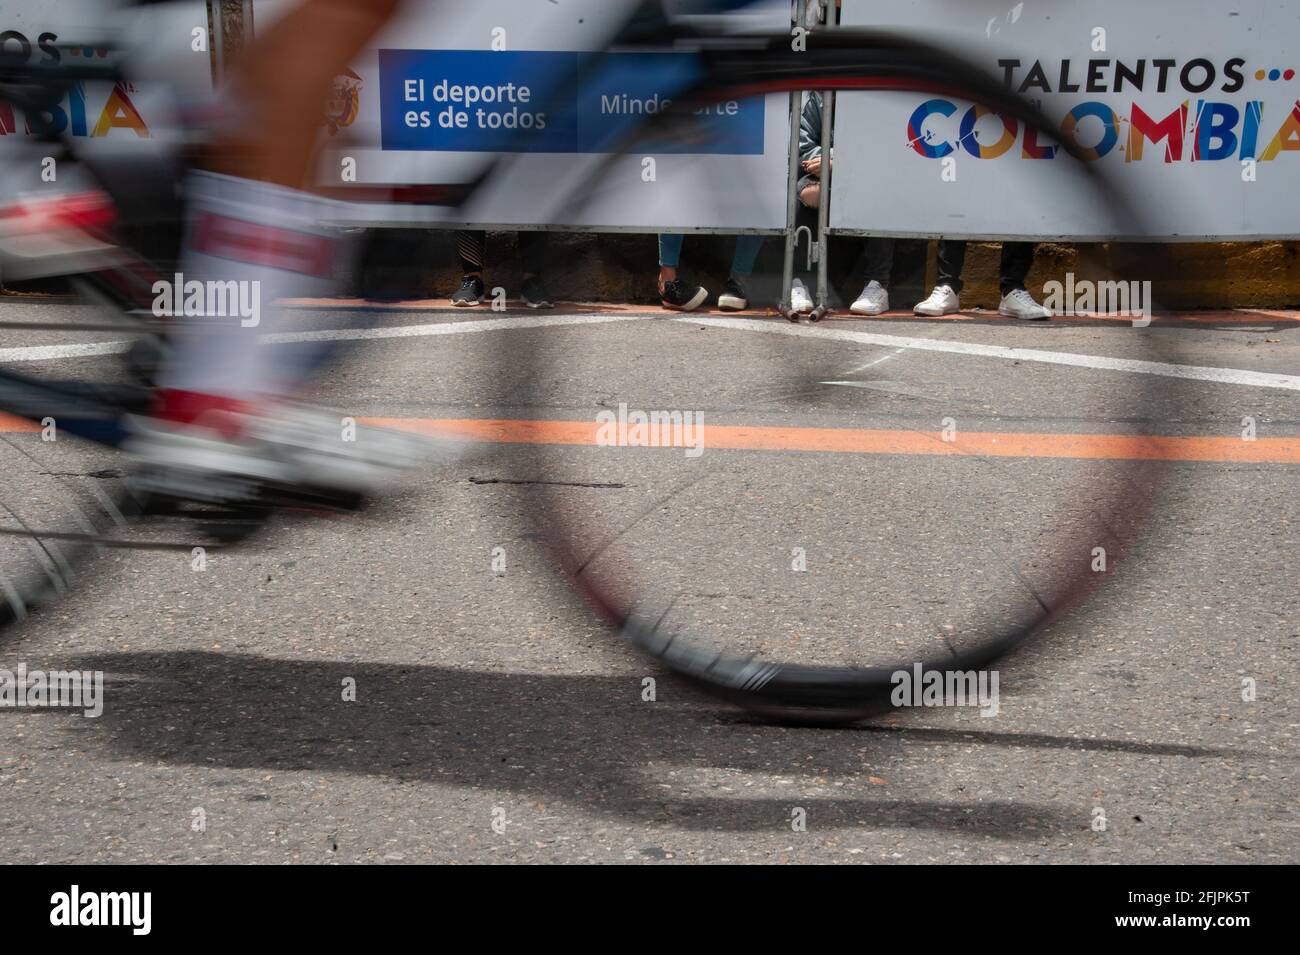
[
  {"x": 951, "y": 258},
  {"x": 533, "y": 247},
  {"x": 880, "y": 260},
  {"x": 1017, "y": 260}
]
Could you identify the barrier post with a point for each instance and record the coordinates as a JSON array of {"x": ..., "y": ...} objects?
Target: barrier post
[
  {"x": 798, "y": 14},
  {"x": 224, "y": 44},
  {"x": 246, "y": 19},
  {"x": 216, "y": 39},
  {"x": 823, "y": 207},
  {"x": 823, "y": 246},
  {"x": 792, "y": 203}
]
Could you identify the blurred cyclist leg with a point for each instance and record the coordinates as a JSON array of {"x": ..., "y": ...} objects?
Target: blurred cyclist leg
[{"x": 220, "y": 404}]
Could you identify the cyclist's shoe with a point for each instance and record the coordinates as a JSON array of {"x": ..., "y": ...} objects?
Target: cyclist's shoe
[
  {"x": 534, "y": 293},
  {"x": 224, "y": 451},
  {"x": 332, "y": 449},
  {"x": 199, "y": 448},
  {"x": 470, "y": 292},
  {"x": 680, "y": 297},
  {"x": 733, "y": 297}
]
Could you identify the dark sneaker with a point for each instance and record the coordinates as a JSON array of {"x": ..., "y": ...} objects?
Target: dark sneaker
[
  {"x": 470, "y": 291},
  {"x": 681, "y": 297},
  {"x": 534, "y": 294},
  {"x": 733, "y": 298}
]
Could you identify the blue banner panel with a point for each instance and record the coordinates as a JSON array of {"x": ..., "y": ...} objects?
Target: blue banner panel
[{"x": 476, "y": 101}]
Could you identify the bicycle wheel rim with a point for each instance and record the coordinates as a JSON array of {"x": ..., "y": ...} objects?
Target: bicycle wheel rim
[{"x": 848, "y": 60}]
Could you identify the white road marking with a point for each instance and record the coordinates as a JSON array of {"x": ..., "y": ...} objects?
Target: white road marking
[
  {"x": 54, "y": 352},
  {"x": 1227, "y": 376},
  {"x": 450, "y": 328},
  {"x": 873, "y": 363},
  {"x": 889, "y": 387}
]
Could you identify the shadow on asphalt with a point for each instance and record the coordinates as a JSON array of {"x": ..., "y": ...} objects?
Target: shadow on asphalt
[{"x": 585, "y": 740}]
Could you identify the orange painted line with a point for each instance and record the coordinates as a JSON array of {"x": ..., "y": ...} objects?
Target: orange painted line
[
  {"x": 998, "y": 444},
  {"x": 881, "y": 441},
  {"x": 11, "y": 425}
]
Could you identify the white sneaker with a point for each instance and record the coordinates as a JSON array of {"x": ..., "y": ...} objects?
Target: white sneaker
[
  {"x": 800, "y": 300},
  {"x": 942, "y": 301},
  {"x": 873, "y": 300},
  {"x": 1020, "y": 304}
]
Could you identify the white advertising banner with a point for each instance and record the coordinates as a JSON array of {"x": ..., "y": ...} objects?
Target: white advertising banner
[
  {"x": 1191, "y": 107},
  {"x": 450, "y": 85},
  {"x": 167, "y": 50},
  {"x": 166, "y": 47}
]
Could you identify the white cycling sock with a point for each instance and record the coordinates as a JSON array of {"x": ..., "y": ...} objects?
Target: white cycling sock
[{"x": 247, "y": 244}]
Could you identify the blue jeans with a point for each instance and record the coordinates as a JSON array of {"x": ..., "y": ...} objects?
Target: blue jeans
[{"x": 742, "y": 262}]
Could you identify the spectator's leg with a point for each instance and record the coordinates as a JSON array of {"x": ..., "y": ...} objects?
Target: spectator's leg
[
  {"x": 943, "y": 297},
  {"x": 470, "y": 246},
  {"x": 952, "y": 258},
  {"x": 671, "y": 292},
  {"x": 1017, "y": 260},
  {"x": 880, "y": 260},
  {"x": 742, "y": 262},
  {"x": 734, "y": 297},
  {"x": 533, "y": 247},
  {"x": 874, "y": 297},
  {"x": 670, "y": 256}
]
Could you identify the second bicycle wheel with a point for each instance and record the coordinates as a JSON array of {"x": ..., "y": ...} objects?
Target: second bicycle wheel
[{"x": 805, "y": 519}]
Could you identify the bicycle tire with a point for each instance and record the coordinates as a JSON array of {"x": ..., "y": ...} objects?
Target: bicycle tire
[{"x": 841, "y": 59}]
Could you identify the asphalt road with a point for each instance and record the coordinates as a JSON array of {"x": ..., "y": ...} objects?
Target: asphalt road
[{"x": 496, "y": 720}]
